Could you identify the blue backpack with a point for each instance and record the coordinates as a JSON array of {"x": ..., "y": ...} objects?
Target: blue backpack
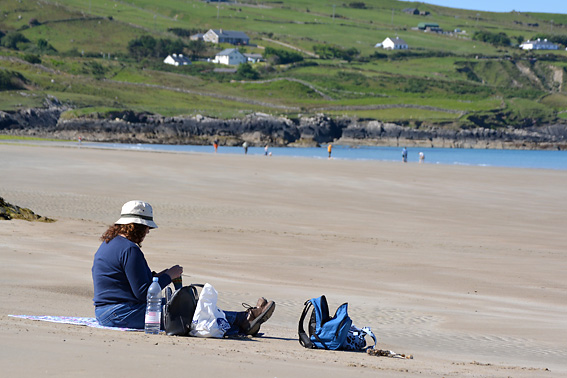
[{"x": 324, "y": 332}]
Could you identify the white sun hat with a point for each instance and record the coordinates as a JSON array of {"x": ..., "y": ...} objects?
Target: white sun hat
[{"x": 137, "y": 212}]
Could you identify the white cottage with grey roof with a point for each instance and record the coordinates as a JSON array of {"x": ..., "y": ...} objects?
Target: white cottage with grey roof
[
  {"x": 395, "y": 44},
  {"x": 177, "y": 60},
  {"x": 231, "y": 57},
  {"x": 226, "y": 36},
  {"x": 539, "y": 45}
]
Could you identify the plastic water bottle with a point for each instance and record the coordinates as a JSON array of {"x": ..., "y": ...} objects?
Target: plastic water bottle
[{"x": 153, "y": 309}]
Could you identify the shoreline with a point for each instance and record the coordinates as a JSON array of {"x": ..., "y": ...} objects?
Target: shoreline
[
  {"x": 460, "y": 266},
  {"x": 544, "y": 159},
  {"x": 260, "y": 129},
  {"x": 235, "y": 141}
]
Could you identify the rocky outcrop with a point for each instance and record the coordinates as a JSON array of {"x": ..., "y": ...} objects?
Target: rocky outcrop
[
  {"x": 385, "y": 134},
  {"x": 259, "y": 129},
  {"x": 9, "y": 211}
]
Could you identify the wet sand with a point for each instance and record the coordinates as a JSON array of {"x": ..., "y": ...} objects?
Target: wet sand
[{"x": 463, "y": 267}]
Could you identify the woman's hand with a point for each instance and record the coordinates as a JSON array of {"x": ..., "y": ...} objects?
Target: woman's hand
[{"x": 174, "y": 272}]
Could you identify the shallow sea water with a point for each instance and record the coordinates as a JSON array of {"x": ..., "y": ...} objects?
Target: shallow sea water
[{"x": 449, "y": 156}]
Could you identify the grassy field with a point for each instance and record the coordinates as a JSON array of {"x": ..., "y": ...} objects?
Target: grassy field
[{"x": 444, "y": 77}]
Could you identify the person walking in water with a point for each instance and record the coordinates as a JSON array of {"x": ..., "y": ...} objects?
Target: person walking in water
[
  {"x": 216, "y": 145},
  {"x": 330, "y": 149},
  {"x": 421, "y": 157},
  {"x": 405, "y": 155},
  {"x": 245, "y": 146}
]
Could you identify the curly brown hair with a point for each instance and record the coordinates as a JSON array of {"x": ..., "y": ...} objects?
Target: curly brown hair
[{"x": 133, "y": 231}]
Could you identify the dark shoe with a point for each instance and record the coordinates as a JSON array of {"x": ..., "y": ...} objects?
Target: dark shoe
[{"x": 255, "y": 316}]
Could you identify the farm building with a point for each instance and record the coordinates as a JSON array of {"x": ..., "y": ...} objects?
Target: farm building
[
  {"x": 428, "y": 26},
  {"x": 539, "y": 45},
  {"x": 231, "y": 57},
  {"x": 177, "y": 60},
  {"x": 226, "y": 36},
  {"x": 394, "y": 44}
]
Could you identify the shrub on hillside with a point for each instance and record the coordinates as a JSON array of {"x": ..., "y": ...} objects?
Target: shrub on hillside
[
  {"x": 10, "y": 80},
  {"x": 142, "y": 47},
  {"x": 280, "y": 56},
  {"x": 14, "y": 40},
  {"x": 197, "y": 49},
  {"x": 93, "y": 68},
  {"x": 497, "y": 39},
  {"x": 357, "y": 5},
  {"x": 246, "y": 71},
  {"x": 378, "y": 55},
  {"x": 32, "y": 58},
  {"x": 148, "y": 46},
  {"x": 45, "y": 47},
  {"x": 406, "y": 54},
  {"x": 337, "y": 52},
  {"x": 306, "y": 63},
  {"x": 180, "y": 32}
]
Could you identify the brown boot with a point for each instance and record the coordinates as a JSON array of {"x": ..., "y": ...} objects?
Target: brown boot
[{"x": 255, "y": 316}]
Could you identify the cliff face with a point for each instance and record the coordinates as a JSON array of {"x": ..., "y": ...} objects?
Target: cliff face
[{"x": 259, "y": 129}]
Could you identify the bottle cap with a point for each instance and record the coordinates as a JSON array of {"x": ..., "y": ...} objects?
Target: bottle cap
[{"x": 155, "y": 279}]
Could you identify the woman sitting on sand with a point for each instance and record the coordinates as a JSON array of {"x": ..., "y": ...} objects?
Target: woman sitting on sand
[{"x": 121, "y": 276}]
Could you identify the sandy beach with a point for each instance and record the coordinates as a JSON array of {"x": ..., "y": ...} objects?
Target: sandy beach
[{"x": 462, "y": 267}]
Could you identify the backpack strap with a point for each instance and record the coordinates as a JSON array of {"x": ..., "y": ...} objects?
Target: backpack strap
[
  {"x": 194, "y": 289},
  {"x": 304, "y": 340},
  {"x": 369, "y": 332},
  {"x": 321, "y": 341}
]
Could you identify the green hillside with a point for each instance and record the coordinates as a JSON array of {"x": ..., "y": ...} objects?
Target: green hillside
[{"x": 100, "y": 55}]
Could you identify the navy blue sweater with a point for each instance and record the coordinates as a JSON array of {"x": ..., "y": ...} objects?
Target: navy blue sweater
[{"x": 121, "y": 273}]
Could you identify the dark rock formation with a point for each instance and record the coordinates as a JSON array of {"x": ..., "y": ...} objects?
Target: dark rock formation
[
  {"x": 8, "y": 212},
  {"x": 259, "y": 129},
  {"x": 377, "y": 133}
]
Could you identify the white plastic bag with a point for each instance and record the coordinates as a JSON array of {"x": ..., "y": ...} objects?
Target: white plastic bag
[{"x": 208, "y": 320}]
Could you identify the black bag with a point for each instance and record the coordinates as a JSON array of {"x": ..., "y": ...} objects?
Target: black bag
[{"x": 179, "y": 309}]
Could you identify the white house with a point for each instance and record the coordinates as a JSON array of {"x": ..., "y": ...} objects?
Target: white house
[
  {"x": 254, "y": 58},
  {"x": 394, "y": 44},
  {"x": 226, "y": 36},
  {"x": 231, "y": 57},
  {"x": 177, "y": 60},
  {"x": 539, "y": 45}
]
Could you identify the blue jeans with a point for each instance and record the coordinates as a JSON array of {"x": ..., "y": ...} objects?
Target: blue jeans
[
  {"x": 234, "y": 319},
  {"x": 129, "y": 315},
  {"x": 125, "y": 315}
]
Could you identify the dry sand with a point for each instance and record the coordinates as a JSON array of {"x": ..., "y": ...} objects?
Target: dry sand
[{"x": 463, "y": 267}]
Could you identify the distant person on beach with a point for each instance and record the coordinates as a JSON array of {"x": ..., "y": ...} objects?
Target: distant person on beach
[
  {"x": 245, "y": 146},
  {"x": 330, "y": 149},
  {"x": 121, "y": 276},
  {"x": 216, "y": 145},
  {"x": 266, "y": 150},
  {"x": 405, "y": 155},
  {"x": 421, "y": 157}
]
